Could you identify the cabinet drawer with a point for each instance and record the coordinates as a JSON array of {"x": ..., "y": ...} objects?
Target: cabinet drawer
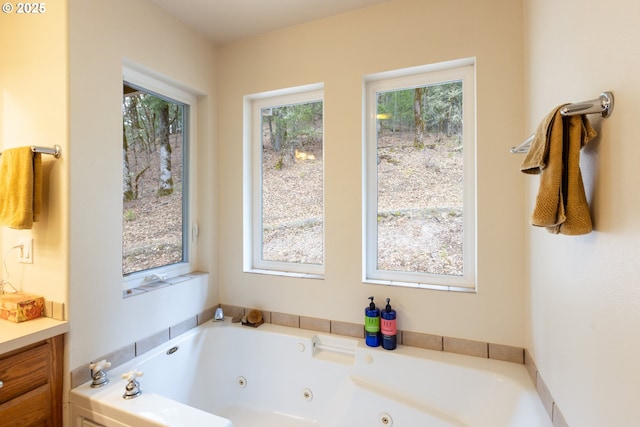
[
  {"x": 30, "y": 409},
  {"x": 21, "y": 372}
]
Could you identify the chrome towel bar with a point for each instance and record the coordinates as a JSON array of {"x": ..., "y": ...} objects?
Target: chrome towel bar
[
  {"x": 56, "y": 151},
  {"x": 603, "y": 105}
]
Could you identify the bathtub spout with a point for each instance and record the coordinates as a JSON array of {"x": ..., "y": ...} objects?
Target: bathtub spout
[{"x": 219, "y": 315}]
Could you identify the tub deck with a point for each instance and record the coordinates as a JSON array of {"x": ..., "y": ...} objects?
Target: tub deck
[{"x": 286, "y": 377}]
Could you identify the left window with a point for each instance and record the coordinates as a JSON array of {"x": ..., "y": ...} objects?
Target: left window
[{"x": 155, "y": 154}]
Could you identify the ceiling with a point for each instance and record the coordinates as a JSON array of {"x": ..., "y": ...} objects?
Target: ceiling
[{"x": 224, "y": 21}]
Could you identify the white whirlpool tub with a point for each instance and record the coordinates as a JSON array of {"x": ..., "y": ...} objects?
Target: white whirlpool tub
[{"x": 227, "y": 375}]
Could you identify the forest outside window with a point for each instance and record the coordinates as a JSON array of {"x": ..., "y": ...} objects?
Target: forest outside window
[
  {"x": 155, "y": 147},
  {"x": 420, "y": 178},
  {"x": 284, "y": 163}
]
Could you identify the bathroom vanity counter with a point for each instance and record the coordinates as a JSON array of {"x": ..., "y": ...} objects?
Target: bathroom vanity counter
[
  {"x": 17, "y": 335},
  {"x": 31, "y": 367}
]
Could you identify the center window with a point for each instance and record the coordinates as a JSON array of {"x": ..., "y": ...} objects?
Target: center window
[{"x": 287, "y": 183}]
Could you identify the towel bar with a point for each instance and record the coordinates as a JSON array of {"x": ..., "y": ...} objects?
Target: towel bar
[
  {"x": 56, "y": 151},
  {"x": 603, "y": 105}
]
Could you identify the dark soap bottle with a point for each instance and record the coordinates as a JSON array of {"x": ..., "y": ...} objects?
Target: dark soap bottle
[
  {"x": 388, "y": 327},
  {"x": 372, "y": 324}
]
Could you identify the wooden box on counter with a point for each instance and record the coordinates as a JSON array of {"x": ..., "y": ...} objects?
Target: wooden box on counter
[{"x": 20, "y": 307}]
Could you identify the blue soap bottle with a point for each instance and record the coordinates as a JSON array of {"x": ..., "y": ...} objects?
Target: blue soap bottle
[
  {"x": 372, "y": 324},
  {"x": 388, "y": 327}
]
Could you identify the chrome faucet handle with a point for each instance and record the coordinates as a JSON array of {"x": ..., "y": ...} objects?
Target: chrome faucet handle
[
  {"x": 132, "y": 389},
  {"x": 100, "y": 366},
  {"x": 98, "y": 373},
  {"x": 132, "y": 375}
]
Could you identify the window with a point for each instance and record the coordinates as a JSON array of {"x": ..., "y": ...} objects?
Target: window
[
  {"x": 420, "y": 184},
  {"x": 155, "y": 153},
  {"x": 284, "y": 164}
]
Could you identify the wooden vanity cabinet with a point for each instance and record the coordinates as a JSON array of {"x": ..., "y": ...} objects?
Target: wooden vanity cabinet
[{"x": 31, "y": 392}]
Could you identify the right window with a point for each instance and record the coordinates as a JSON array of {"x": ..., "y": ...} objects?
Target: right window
[{"x": 420, "y": 177}]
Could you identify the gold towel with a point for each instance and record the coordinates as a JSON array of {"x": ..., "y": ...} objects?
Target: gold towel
[
  {"x": 561, "y": 203},
  {"x": 20, "y": 187}
]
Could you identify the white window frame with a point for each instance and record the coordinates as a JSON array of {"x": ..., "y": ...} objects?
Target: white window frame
[
  {"x": 401, "y": 79},
  {"x": 252, "y": 178},
  {"x": 155, "y": 83}
]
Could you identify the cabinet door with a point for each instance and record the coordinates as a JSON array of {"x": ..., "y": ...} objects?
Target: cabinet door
[
  {"x": 31, "y": 392},
  {"x": 24, "y": 371},
  {"x": 32, "y": 409}
]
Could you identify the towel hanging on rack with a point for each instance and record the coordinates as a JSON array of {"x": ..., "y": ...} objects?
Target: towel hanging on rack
[
  {"x": 602, "y": 105},
  {"x": 56, "y": 151},
  {"x": 561, "y": 204},
  {"x": 20, "y": 187}
]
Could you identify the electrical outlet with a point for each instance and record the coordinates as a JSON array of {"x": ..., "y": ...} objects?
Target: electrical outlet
[{"x": 26, "y": 252}]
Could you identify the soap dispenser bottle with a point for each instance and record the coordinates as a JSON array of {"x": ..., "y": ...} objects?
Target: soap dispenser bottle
[
  {"x": 372, "y": 324},
  {"x": 388, "y": 327}
]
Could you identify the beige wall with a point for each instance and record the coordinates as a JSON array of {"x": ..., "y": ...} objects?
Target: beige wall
[
  {"x": 338, "y": 52},
  {"x": 582, "y": 304},
  {"x": 584, "y": 298},
  {"x": 101, "y": 35},
  {"x": 34, "y": 111}
]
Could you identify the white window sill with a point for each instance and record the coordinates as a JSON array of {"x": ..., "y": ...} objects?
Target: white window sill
[
  {"x": 286, "y": 274},
  {"x": 159, "y": 284},
  {"x": 420, "y": 286}
]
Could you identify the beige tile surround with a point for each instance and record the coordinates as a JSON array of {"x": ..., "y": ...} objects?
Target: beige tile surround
[
  {"x": 54, "y": 310},
  {"x": 122, "y": 355},
  {"x": 409, "y": 338},
  {"x": 414, "y": 339},
  {"x": 543, "y": 392}
]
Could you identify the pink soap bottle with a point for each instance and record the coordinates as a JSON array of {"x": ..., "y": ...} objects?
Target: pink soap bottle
[{"x": 388, "y": 327}]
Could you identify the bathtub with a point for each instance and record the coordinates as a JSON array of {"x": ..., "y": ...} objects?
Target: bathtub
[{"x": 222, "y": 374}]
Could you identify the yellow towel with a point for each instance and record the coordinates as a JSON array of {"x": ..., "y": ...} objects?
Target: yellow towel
[
  {"x": 20, "y": 187},
  {"x": 561, "y": 203}
]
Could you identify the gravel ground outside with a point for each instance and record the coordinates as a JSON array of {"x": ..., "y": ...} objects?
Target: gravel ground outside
[
  {"x": 419, "y": 219},
  {"x": 420, "y": 206}
]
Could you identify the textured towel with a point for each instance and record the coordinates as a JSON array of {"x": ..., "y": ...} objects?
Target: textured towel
[
  {"x": 561, "y": 203},
  {"x": 20, "y": 187}
]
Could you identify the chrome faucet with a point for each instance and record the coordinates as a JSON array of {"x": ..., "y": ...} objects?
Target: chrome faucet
[
  {"x": 98, "y": 373},
  {"x": 132, "y": 389}
]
